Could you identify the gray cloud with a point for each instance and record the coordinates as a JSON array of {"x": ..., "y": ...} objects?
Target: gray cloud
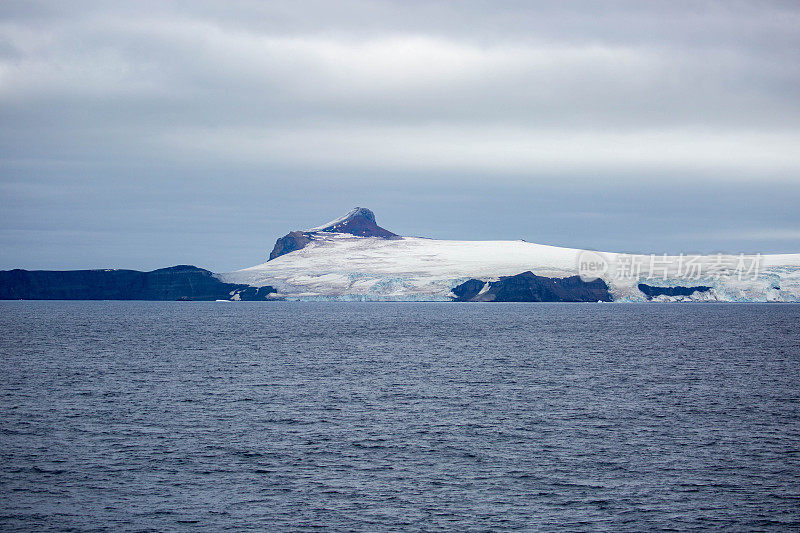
[{"x": 113, "y": 114}]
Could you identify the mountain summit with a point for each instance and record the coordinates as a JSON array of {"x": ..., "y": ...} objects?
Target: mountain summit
[{"x": 359, "y": 221}]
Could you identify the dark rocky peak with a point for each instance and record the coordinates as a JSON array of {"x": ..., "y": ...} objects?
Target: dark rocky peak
[{"x": 359, "y": 221}]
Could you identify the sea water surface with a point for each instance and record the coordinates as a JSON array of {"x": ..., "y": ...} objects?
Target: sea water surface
[{"x": 398, "y": 417}]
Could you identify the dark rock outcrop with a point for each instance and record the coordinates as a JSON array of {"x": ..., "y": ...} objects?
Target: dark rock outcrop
[
  {"x": 360, "y": 222},
  {"x": 468, "y": 290},
  {"x": 528, "y": 287},
  {"x": 651, "y": 292},
  {"x": 182, "y": 282},
  {"x": 290, "y": 242},
  {"x": 255, "y": 294}
]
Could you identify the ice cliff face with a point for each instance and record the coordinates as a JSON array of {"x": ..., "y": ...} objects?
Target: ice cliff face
[{"x": 352, "y": 258}]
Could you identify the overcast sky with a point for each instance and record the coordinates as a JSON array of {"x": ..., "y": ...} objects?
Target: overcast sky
[{"x": 146, "y": 134}]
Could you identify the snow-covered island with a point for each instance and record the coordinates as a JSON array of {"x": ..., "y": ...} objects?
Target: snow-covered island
[{"x": 352, "y": 258}]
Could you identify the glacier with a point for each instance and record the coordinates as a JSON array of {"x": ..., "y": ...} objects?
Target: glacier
[{"x": 349, "y": 267}]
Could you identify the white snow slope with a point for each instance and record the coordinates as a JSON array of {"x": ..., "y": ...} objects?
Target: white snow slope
[{"x": 337, "y": 266}]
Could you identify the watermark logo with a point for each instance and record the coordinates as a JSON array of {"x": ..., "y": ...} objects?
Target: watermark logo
[
  {"x": 591, "y": 265},
  {"x": 628, "y": 267}
]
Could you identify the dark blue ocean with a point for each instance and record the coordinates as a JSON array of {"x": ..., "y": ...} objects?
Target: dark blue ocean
[{"x": 399, "y": 417}]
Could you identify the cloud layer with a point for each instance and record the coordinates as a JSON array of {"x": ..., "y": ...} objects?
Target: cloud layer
[{"x": 128, "y": 101}]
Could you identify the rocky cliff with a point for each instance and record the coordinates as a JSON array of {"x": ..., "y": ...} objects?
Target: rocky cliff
[
  {"x": 182, "y": 282},
  {"x": 528, "y": 287},
  {"x": 294, "y": 240}
]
